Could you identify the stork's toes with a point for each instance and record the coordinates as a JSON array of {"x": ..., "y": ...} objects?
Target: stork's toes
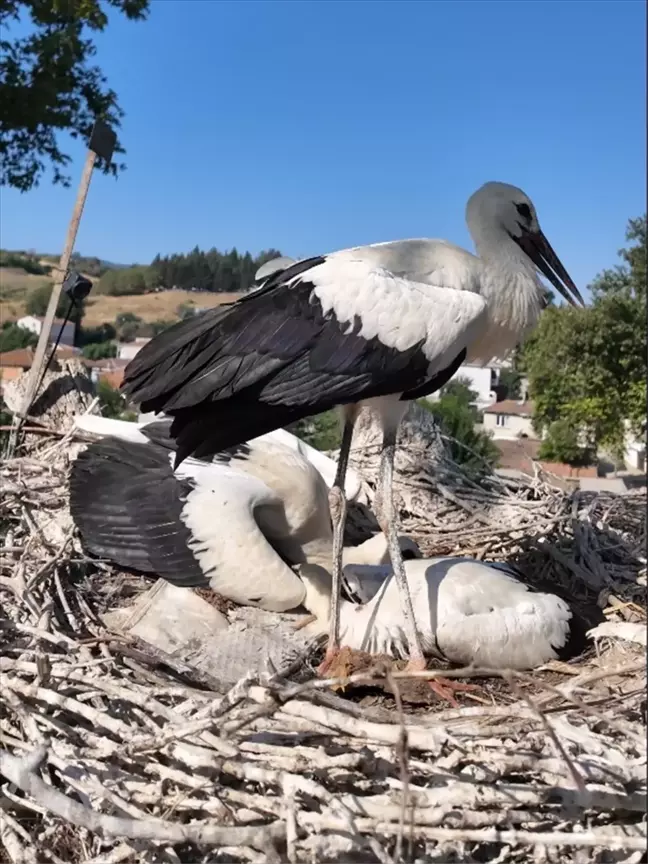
[
  {"x": 328, "y": 662},
  {"x": 445, "y": 689},
  {"x": 418, "y": 664}
]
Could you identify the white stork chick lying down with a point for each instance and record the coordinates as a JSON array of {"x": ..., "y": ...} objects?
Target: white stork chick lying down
[
  {"x": 468, "y": 612},
  {"x": 240, "y": 522}
]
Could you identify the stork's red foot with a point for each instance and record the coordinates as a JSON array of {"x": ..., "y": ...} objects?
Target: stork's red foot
[
  {"x": 327, "y": 662},
  {"x": 344, "y": 662},
  {"x": 445, "y": 689},
  {"x": 337, "y": 663}
]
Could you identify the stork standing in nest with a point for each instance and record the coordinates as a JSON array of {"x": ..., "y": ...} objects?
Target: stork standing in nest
[{"x": 377, "y": 325}]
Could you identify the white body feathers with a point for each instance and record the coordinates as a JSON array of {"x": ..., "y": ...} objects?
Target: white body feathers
[{"x": 466, "y": 611}]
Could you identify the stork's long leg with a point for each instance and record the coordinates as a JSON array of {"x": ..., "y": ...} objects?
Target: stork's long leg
[
  {"x": 338, "y": 505},
  {"x": 388, "y": 522}
]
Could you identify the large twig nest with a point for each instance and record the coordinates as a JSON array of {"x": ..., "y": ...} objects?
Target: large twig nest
[{"x": 114, "y": 751}]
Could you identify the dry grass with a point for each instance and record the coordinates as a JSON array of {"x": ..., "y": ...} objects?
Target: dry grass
[
  {"x": 15, "y": 285},
  {"x": 150, "y": 307}
]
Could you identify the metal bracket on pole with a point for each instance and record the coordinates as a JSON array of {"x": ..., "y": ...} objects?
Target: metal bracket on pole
[{"x": 102, "y": 143}]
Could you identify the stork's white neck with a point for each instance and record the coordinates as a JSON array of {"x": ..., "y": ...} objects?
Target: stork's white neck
[
  {"x": 318, "y": 587},
  {"x": 316, "y": 572},
  {"x": 512, "y": 289}
]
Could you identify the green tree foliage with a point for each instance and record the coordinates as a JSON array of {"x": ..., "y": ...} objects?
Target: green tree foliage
[
  {"x": 321, "y": 431},
  {"x": 113, "y": 404},
  {"x": 158, "y": 326},
  {"x": 25, "y": 261},
  {"x": 186, "y": 310},
  {"x": 469, "y": 447},
  {"x": 562, "y": 444},
  {"x": 49, "y": 86},
  {"x": 129, "y": 326},
  {"x": 126, "y": 281},
  {"x": 460, "y": 388},
  {"x": 91, "y": 335},
  {"x": 209, "y": 271},
  {"x": 38, "y": 300},
  {"x": 587, "y": 367},
  {"x": 99, "y": 350},
  {"x": 91, "y": 266},
  {"x": 508, "y": 386},
  {"x": 128, "y": 332},
  {"x": 12, "y": 336},
  {"x": 127, "y": 318},
  {"x": 212, "y": 271}
]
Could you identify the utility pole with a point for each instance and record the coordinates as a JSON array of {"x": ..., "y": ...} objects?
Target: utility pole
[{"x": 102, "y": 143}]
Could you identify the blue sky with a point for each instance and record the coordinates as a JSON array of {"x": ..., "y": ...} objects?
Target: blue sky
[{"x": 312, "y": 126}]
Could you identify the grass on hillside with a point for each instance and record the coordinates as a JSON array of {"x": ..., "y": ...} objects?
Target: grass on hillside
[
  {"x": 149, "y": 307},
  {"x": 15, "y": 285}
]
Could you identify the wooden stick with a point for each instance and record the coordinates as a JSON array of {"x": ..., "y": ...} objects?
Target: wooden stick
[{"x": 43, "y": 339}]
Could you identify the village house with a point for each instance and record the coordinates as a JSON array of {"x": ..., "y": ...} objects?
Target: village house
[
  {"x": 110, "y": 370},
  {"x": 14, "y": 363},
  {"x": 62, "y": 330},
  {"x": 482, "y": 380},
  {"x": 127, "y": 350},
  {"x": 510, "y": 419}
]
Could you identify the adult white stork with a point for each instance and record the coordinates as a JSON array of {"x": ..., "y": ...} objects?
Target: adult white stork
[{"x": 378, "y": 324}]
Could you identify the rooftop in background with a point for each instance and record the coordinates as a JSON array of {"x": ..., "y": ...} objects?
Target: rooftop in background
[
  {"x": 24, "y": 357},
  {"x": 520, "y": 456},
  {"x": 511, "y": 406}
]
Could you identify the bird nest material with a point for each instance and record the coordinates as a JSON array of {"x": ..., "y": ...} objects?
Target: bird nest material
[{"x": 113, "y": 752}]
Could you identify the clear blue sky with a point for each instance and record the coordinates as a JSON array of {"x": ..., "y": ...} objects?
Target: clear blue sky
[{"x": 312, "y": 126}]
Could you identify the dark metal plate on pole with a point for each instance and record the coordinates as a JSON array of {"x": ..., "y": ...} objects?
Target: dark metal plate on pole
[
  {"x": 102, "y": 141},
  {"x": 76, "y": 286}
]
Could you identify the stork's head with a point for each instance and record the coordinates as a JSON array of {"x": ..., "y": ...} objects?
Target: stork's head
[{"x": 510, "y": 213}]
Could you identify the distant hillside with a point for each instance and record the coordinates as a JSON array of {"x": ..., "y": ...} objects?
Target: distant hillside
[
  {"x": 164, "y": 291},
  {"x": 163, "y": 306},
  {"x": 100, "y": 309},
  {"x": 89, "y": 264}
]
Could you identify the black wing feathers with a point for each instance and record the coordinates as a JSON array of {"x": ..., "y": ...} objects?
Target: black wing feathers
[
  {"x": 159, "y": 432},
  {"x": 270, "y": 359},
  {"x": 431, "y": 385},
  {"x": 127, "y": 504}
]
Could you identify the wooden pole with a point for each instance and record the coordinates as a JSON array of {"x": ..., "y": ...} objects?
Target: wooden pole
[{"x": 43, "y": 339}]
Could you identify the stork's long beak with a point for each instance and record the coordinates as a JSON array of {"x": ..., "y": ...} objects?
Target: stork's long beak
[{"x": 538, "y": 248}]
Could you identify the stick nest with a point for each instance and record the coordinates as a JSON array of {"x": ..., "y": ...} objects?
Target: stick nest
[{"x": 112, "y": 752}]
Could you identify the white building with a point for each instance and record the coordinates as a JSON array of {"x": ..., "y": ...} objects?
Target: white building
[
  {"x": 509, "y": 419},
  {"x": 127, "y": 350},
  {"x": 482, "y": 380},
  {"x": 66, "y": 329},
  {"x": 634, "y": 451}
]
